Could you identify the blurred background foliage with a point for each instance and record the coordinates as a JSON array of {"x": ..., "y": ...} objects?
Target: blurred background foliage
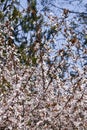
[{"x": 29, "y": 27}]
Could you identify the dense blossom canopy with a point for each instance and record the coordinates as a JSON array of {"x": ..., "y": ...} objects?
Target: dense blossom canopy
[{"x": 41, "y": 87}]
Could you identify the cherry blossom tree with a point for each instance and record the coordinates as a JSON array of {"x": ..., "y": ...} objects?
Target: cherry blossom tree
[{"x": 43, "y": 82}]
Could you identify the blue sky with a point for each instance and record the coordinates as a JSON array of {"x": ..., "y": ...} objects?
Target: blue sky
[{"x": 76, "y": 5}]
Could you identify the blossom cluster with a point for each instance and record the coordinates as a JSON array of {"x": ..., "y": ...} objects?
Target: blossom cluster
[{"x": 40, "y": 97}]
